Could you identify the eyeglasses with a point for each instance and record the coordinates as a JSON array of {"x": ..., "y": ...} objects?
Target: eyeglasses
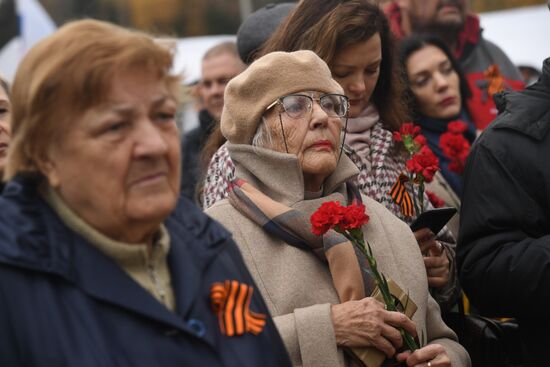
[{"x": 299, "y": 105}]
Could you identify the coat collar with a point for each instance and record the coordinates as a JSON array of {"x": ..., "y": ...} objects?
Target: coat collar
[
  {"x": 37, "y": 240},
  {"x": 279, "y": 175}
]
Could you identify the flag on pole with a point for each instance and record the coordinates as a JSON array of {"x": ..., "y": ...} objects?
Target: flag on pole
[{"x": 22, "y": 24}]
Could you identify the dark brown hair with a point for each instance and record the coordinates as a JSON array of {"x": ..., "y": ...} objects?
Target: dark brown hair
[{"x": 328, "y": 26}]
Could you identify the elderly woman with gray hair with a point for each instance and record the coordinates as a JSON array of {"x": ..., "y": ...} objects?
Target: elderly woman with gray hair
[{"x": 283, "y": 118}]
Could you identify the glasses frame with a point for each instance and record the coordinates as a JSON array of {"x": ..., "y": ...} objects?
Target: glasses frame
[{"x": 279, "y": 101}]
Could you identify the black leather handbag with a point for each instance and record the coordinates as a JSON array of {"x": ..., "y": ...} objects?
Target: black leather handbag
[{"x": 489, "y": 342}]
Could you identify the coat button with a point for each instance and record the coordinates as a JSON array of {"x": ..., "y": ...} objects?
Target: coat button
[{"x": 197, "y": 327}]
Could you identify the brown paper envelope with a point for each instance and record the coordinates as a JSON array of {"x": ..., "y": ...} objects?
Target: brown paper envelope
[{"x": 370, "y": 356}]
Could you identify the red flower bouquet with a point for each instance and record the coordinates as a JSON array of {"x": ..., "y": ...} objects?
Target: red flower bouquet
[
  {"x": 421, "y": 166},
  {"x": 424, "y": 164},
  {"x": 455, "y": 146},
  {"x": 348, "y": 220}
]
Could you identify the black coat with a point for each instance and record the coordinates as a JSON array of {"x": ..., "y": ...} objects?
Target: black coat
[
  {"x": 504, "y": 243},
  {"x": 63, "y": 303},
  {"x": 191, "y": 148}
]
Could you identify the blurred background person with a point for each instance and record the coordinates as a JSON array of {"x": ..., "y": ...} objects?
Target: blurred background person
[
  {"x": 354, "y": 39},
  {"x": 504, "y": 244},
  {"x": 219, "y": 65},
  {"x": 285, "y": 137},
  {"x": 438, "y": 93},
  {"x": 102, "y": 263},
  {"x": 5, "y": 113},
  {"x": 486, "y": 67}
]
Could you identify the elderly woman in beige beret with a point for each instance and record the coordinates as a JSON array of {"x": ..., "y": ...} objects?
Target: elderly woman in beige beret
[{"x": 283, "y": 118}]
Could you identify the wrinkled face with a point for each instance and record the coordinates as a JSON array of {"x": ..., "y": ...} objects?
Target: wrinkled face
[
  {"x": 217, "y": 71},
  {"x": 314, "y": 139},
  {"x": 5, "y": 113},
  {"x": 356, "y": 68},
  {"x": 434, "y": 82},
  {"x": 438, "y": 12},
  {"x": 117, "y": 166}
]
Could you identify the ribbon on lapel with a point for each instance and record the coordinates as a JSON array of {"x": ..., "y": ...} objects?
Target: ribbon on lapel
[
  {"x": 231, "y": 302},
  {"x": 401, "y": 196}
]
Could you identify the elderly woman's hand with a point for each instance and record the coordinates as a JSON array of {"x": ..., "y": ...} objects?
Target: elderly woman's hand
[
  {"x": 366, "y": 323},
  {"x": 433, "y": 355},
  {"x": 435, "y": 258}
]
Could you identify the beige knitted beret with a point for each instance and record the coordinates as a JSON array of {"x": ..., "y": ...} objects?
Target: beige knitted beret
[{"x": 268, "y": 78}]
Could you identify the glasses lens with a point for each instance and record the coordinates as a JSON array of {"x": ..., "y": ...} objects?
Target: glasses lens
[
  {"x": 296, "y": 106},
  {"x": 334, "y": 105}
]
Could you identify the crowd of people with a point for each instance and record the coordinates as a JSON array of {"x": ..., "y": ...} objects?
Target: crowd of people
[{"x": 124, "y": 242}]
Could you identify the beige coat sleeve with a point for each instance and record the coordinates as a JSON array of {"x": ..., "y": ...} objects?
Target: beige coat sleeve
[{"x": 309, "y": 338}]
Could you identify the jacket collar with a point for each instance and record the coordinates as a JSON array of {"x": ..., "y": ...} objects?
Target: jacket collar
[
  {"x": 37, "y": 240},
  {"x": 279, "y": 175},
  {"x": 527, "y": 111}
]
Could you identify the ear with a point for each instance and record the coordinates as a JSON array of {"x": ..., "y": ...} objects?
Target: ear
[{"x": 50, "y": 170}]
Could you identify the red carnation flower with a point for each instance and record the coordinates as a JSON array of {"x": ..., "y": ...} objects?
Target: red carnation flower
[
  {"x": 436, "y": 201},
  {"x": 333, "y": 215},
  {"x": 353, "y": 217},
  {"x": 457, "y": 127},
  {"x": 420, "y": 140},
  {"x": 456, "y": 147},
  {"x": 397, "y": 136},
  {"x": 409, "y": 128},
  {"x": 326, "y": 217},
  {"x": 424, "y": 163}
]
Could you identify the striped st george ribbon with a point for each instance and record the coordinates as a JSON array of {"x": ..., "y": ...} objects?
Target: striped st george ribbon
[
  {"x": 401, "y": 196},
  {"x": 231, "y": 302}
]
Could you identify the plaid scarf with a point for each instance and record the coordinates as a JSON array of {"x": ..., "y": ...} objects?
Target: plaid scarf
[{"x": 292, "y": 226}]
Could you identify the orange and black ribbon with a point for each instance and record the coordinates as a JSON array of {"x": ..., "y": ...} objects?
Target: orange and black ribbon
[
  {"x": 495, "y": 80},
  {"x": 401, "y": 196},
  {"x": 231, "y": 302}
]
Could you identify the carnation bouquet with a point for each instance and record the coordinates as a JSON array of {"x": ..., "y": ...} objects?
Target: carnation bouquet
[
  {"x": 421, "y": 166},
  {"x": 455, "y": 146},
  {"x": 348, "y": 221}
]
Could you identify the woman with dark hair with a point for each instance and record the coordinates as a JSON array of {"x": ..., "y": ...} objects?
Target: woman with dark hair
[
  {"x": 438, "y": 92},
  {"x": 354, "y": 39}
]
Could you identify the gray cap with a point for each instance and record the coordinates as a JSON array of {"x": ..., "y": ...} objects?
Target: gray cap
[{"x": 258, "y": 26}]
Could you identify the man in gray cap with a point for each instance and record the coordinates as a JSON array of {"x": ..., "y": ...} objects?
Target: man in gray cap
[{"x": 504, "y": 242}]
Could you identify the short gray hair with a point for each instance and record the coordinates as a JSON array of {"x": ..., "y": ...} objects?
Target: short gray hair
[{"x": 263, "y": 137}]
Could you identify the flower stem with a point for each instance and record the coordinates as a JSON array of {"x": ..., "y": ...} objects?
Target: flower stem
[{"x": 382, "y": 284}]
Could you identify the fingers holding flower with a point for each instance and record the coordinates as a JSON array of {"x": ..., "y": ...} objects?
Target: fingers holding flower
[{"x": 432, "y": 355}]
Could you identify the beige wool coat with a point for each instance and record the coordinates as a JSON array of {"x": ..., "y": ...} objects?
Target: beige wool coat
[{"x": 297, "y": 286}]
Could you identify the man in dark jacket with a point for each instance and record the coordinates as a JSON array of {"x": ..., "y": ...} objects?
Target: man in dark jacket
[
  {"x": 504, "y": 242},
  {"x": 487, "y": 68},
  {"x": 64, "y": 303},
  {"x": 219, "y": 65}
]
